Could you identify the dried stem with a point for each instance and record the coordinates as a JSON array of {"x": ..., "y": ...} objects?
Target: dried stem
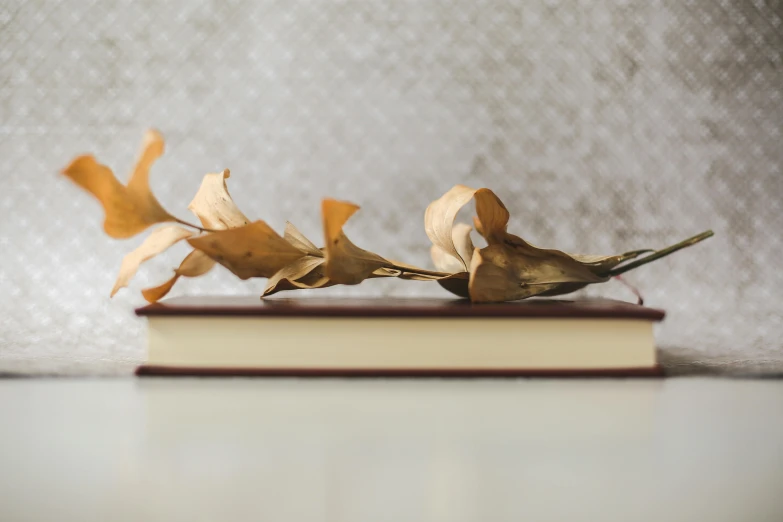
[
  {"x": 659, "y": 254},
  {"x": 420, "y": 271},
  {"x": 191, "y": 225}
]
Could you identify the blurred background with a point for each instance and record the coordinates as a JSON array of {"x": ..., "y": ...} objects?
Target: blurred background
[{"x": 604, "y": 127}]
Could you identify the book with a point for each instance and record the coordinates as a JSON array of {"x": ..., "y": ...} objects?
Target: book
[{"x": 244, "y": 336}]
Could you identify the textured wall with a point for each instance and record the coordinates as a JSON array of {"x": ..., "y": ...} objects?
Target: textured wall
[{"x": 604, "y": 126}]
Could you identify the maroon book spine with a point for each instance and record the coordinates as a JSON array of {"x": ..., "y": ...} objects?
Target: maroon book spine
[{"x": 358, "y": 308}]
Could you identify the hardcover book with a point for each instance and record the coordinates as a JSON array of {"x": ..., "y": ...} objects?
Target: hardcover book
[{"x": 244, "y": 336}]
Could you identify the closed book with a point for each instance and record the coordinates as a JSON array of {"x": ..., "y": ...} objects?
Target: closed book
[{"x": 245, "y": 336}]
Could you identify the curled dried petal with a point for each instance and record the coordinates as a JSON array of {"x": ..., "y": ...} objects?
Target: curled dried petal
[
  {"x": 158, "y": 241},
  {"x": 346, "y": 263},
  {"x": 195, "y": 264},
  {"x": 297, "y": 239},
  {"x": 439, "y": 220},
  {"x": 213, "y": 205}
]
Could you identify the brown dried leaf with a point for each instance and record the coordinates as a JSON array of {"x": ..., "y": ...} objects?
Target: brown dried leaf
[
  {"x": 510, "y": 268},
  {"x": 457, "y": 284},
  {"x": 155, "y": 294},
  {"x": 213, "y": 204},
  {"x": 306, "y": 272},
  {"x": 253, "y": 250},
  {"x": 492, "y": 221},
  {"x": 492, "y": 216},
  {"x": 604, "y": 266},
  {"x": 128, "y": 209},
  {"x": 509, "y": 260},
  {"x": 548, "y": 265},
  {"x": 477, "y": 226},
  {"x": 505, "y": 272},
  {"x": 158, "y": 241},
  {"x": 495, "y": 277},
  {"x": 216, "y": 210},
  {"x": 196, "y": 264},
  {"x": 296, "y": 238},
  {"x": 562, "y": 288},
  {"x": 345, "y": 262},
  {"x": 439, "y": 220}
]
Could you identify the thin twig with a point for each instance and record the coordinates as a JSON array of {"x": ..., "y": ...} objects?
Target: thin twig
[{"x": 659, "y": 254}]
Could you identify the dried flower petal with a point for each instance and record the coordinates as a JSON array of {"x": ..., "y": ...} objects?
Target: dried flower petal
[
  {"x": 196, "y": 264},
  {"x": 346, "y": 263},
  {"x": 253, "y": 250},
  {"x": 306, "y": 272},
  {"x": 128, "y": 209},
  {"x": 158, "y": 241},
  {"x": 297, "y": 239},
  {"x": 439, "y": 219},
  {"x": 213, "y": 204}
]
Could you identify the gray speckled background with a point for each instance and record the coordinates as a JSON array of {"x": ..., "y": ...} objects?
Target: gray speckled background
[{"x": 604, "y": 126}]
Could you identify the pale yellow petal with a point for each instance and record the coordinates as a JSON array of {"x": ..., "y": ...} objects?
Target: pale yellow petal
[
  {"x": 439, "y": 219},
  {"x": 158, "y": 241},
  {"x": 213, "y": 204}
]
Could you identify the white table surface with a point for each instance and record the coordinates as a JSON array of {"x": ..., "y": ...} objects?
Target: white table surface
[{"x": 398, "y": 450}]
